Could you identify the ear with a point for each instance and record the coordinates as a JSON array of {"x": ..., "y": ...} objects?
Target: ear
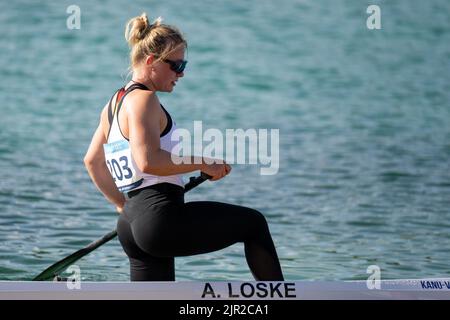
[{"x": 149, "y": 60}]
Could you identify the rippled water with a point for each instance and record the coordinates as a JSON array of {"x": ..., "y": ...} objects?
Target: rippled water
[{"x": 364, "y": 131}]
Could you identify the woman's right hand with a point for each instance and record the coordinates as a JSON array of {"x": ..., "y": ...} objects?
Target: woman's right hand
[{"x": 216, "y": 171}]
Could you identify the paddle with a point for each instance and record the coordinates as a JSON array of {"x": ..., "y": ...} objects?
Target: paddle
[{"x": 51, "y": 272}]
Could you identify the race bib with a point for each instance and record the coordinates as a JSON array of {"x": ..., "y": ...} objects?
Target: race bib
[{"x": 120, "y": 163}]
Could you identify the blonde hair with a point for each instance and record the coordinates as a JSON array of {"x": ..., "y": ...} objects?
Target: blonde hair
[{"x": 156, "y": 38}]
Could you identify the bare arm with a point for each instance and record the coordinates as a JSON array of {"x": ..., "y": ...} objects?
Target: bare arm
[
  {"x": 144, "y": 135},
  {"x": 94, "y": 161}
]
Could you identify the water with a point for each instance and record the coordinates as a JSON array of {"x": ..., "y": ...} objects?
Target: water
[{"x": 363, "y": 115}]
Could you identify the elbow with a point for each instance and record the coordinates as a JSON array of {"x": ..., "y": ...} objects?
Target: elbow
[
  {"x": 149, "y": 165},
  {"x": 89, "y": 162},
  {"x": 148, "y": 168},
  {"x": 152, "y": 168},
  {"x": 143, "y": 165}
]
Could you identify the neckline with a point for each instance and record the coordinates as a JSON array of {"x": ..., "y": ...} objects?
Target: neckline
[{"x": 139, "y": 83}]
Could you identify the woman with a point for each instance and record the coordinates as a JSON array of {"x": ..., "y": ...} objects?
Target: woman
[{"x": 129, "y": 160}]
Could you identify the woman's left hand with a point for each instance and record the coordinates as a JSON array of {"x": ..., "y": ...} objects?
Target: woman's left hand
[{"x": 119, "y": 209}]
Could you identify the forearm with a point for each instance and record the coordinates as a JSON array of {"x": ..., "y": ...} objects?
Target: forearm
[
  {"x": 101, "y": 177},
  {"x": 163, "y": 163}
]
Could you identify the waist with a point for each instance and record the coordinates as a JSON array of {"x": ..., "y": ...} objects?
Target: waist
[{"x": 165, "y": 188}]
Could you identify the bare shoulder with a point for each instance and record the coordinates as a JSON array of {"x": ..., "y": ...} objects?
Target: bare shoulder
[{"x": 142, "y": 102}]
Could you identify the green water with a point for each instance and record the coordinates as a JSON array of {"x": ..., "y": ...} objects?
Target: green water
[{"x": 363, "y": 116}]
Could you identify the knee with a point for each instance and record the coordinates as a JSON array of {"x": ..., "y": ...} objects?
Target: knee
[{"x": 258, "y": 220}]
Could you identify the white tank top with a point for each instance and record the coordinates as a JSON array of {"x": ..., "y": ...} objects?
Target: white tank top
[{"x": 119, "y": 158}]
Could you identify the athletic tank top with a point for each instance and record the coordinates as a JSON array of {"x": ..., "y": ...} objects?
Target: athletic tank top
[{"x": 119, "y": 159}]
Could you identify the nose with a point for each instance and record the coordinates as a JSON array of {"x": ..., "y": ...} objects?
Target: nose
[{"x": 180, "y": 75}]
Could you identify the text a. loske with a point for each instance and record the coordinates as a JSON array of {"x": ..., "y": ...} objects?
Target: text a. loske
[{"x": 252, "y": 290}]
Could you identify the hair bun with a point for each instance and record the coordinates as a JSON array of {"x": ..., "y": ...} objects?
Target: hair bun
[{"x": 137, "y": 28}]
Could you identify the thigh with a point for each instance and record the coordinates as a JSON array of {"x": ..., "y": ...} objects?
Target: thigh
[{"x": 205, "y": 226}]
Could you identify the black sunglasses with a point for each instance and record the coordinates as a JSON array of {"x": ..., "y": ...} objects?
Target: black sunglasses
[{"x": 178, "y": 66}]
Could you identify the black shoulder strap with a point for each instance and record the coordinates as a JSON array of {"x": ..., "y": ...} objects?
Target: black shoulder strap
[
  {"x": 110, "y": 111},
  {"x": 169, "y": 122},
  {"x": 137, "y": 85}
]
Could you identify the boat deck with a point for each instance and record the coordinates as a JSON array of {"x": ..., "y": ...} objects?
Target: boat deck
[{"x": 232, "y": 290}]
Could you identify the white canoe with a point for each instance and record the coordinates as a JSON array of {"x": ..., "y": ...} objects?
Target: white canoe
[{"x": 407, "y": 289}]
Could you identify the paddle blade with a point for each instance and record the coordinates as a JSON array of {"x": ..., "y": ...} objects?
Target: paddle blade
[{"x": 56, "y": 268}]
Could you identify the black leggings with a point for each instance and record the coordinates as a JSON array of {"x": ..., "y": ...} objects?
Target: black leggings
[{"x": 157, "y": 226}]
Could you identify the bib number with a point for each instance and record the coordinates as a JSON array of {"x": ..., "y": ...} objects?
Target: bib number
[
  {"x": 120, "y": 165},
  {"x": 119, "y": 171}
]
